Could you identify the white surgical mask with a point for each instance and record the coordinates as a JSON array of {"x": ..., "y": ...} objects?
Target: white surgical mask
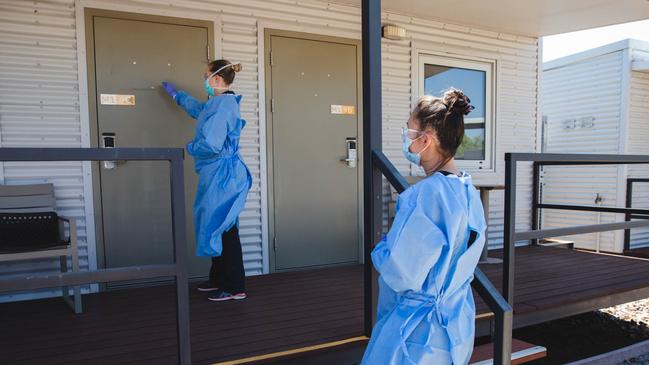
[{"x": 414, "y": 157}]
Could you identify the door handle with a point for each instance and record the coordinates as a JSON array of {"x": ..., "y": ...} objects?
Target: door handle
[{"x": 351, "y": 157}]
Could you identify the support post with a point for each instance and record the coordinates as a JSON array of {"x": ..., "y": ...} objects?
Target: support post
[
  {"x": 484, "y": 196},
  {"x": 627, "y": 217},
  {"x": 180, "y": 255},
  {"x": 372, "y": 179},
  {"x": 503, "y": 338},
  {"x": 509, "y": 241},
  {"x": 536, "y": 199}
]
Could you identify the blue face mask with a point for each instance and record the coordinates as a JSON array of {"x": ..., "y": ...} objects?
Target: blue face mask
[
  {"x": 208, "y": 88},
  {"x": 411, "y": 156}
]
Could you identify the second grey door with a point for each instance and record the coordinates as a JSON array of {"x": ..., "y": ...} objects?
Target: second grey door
[{"x": 314, "y": 121}]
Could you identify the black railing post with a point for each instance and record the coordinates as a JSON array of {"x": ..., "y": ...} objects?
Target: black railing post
[
  {"x": 372, "y": 181},
  {"x": 536, "y": 199},
  {"x": 509, "y": 241},
  {"x": 503, "y": 337},
  {"x": 627, "y": 216},
  {"x": 180, "y": 258},
  {"x": 503, "y": 321}
]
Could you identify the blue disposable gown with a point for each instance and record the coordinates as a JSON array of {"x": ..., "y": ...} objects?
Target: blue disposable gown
[
  {"x": 223, "y": 178},
  {"x": 425, "y": 308}
]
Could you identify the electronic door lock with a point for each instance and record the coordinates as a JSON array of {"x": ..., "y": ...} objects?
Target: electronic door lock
[
  {"x": 108, "y": 141},
  {"x": 352, "y": 155}
]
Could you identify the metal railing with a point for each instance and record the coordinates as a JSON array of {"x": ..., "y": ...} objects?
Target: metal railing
[
  {"x": 503, "y": 313},
  {"x": 178, "y": 269},
  {"x": 511, "y": 236},
  {"x": 634, "y": 214}
]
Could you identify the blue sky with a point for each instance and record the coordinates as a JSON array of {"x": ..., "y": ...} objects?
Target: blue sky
[
  {"x": 469, "y": 81},
  {"x": 565, "y": 44}
]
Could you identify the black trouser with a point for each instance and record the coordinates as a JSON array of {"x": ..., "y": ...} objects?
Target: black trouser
[{"x": 227, "y": 271}]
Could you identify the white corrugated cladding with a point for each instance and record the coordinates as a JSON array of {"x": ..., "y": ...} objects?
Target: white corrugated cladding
[
  {"x": 637, "y": 142},
  {"x": 516, "y": 75},
  {"x": 584, "y": 89},
  {"x": 395, "y": 67},
  {"x": 239, "y": 43},
  {"x": 39, "y": 107}
]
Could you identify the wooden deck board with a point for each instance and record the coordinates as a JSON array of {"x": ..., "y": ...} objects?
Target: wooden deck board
[
  {"x": 284, "y": 311},
  {"x": 573, "y": 276},
  {"x": 138, "y": 325}
]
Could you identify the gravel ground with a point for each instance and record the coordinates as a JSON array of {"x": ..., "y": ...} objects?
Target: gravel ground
[
  {"x": 634, "y": 312},
  {"x": 589, "y": 334},
  {"x": 641, "y": 360},
  {"x": 636, "y": 318}
]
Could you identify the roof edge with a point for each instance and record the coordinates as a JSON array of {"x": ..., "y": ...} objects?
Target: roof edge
[
  {"x": 596, "y": 52},
  {"x": 587, "y": 54}
]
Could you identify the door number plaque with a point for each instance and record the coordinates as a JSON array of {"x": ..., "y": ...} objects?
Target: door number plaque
[
  {"x": 343, "y": 109},
  {"x": 117, "y": 99}
]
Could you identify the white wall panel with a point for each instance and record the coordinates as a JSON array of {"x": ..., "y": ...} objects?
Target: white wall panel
[
  {"x": 590, "y": 88},
  {"x": 638, "y": 143}
]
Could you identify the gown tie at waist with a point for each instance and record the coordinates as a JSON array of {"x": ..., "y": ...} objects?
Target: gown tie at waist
[{"x": 427, "y": 306}]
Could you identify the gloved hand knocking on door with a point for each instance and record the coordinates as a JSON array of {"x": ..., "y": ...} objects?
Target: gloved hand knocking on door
[{"x": 170, "y": 89}]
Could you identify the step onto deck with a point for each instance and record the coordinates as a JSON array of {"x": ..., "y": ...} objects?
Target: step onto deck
[{"x": 522, "y": 352}]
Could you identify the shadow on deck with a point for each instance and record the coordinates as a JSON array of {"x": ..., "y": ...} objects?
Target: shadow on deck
[{"x": 286, "y": 311}]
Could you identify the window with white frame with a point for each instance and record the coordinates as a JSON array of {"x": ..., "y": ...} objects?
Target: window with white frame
[{"x": 475, "y": 78}]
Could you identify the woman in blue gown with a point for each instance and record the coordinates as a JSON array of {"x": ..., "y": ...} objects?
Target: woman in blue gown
[
  {"x": 223, "y": 178},
  {"x": 426, "y": 311}
]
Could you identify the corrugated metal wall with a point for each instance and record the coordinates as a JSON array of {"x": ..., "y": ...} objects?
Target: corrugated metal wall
[
  {"x": 43, "y": 43},
  {"x": 39, "y": 107},
  {"x": 638, "y": 138},
  {"x": 238, "y": 43},
  {"x": 590, "y": 88}
]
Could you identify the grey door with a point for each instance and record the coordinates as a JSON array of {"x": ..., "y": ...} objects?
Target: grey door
[
  {"x": 132, "y": 57},
  {"x": 315, "y": 194}
]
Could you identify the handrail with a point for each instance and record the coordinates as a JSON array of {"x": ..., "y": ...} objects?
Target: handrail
[
  {"x": 575, "y": 159},
  {"x": 590, "y": 208},
  {"x": 554, "y": 159},
  {"x": 573, "y": 230},
  {"x": 495, "y": 301},
  {"x": 389, "y": 171},
  {"x": 632, "y": 214}
]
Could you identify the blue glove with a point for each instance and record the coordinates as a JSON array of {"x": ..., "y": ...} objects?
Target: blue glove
[{"x": 170, "y": 89}]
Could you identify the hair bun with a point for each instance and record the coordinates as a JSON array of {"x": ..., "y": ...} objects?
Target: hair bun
[
  {"x": 457, "y": 102},
  {"x": 236, "y": 67}
]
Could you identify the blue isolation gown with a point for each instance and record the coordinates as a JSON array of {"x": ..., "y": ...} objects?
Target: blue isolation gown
[
  {"x": 426, "y": 311},
  {"x": 223, "y": 178}
]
